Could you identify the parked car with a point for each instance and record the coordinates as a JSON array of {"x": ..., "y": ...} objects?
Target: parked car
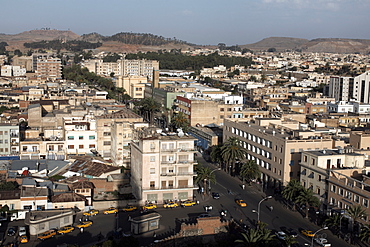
[
  {"x": 12, "y": 231},
  {"x": 149, "y": 206},
  {"x": 290, "y": 232},
  {"x": 215, "y": 195},
  {"x": 188, "y": 203},
  {"x": 111, "y": 210},
  {"x": 280, "y": 235},
  {"x": 84, "y": 224},
  {"x": 23, "y": 239},
  {"x": 22, "y": 231},
  {"x": 204, "y": 215},
  {"x": 129, "y": 208},
  {"x": 170, "y": 205},
  {"x": 65, "y": 229},
  {"x": 47, "y": 234},
  {"x": 92, "y": 212}
]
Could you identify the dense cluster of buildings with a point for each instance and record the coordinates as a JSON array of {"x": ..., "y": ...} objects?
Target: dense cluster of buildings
[{"x": 97, "y": 146}]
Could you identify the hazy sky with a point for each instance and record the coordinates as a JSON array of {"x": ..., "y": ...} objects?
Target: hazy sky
[{"x": 195, "y": 21}]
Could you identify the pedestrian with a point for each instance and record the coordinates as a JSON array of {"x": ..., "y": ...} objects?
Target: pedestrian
[
  {"x": 243, "y": 186},
  {"x": 81, "y": 229},
  {"x": 154, "y": 235},
  {"x": 271, "y": 208}
]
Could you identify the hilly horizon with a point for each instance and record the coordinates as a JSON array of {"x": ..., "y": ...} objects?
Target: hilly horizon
[{"x": 131, "y": 42}]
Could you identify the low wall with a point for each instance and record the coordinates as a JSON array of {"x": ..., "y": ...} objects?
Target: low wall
[{"x": 102, "y": 205}]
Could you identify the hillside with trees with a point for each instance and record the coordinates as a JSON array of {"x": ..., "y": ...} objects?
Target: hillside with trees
[{"x": 73, "y": 45}]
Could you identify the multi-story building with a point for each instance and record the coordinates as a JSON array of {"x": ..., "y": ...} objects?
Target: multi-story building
[
  {"x": 50, "y": 68},
  {"x": 317, "y": 165},
  {"x": 9, "y": 139},
  {"x": 275, "y": 145},
  {"x": 9, "y": 70},
  {"x": 134, "y": 85},
  {"x": 80, "y": 135},
  {"x": 162, "y": 168}
]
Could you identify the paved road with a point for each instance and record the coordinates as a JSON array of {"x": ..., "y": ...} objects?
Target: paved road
[{"x": 105, "y": 225}]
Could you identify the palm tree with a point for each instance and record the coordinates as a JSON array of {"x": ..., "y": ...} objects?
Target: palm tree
[
  {"x": 365, "y": 233},
  {"x": 231, "y": 151},
  {"x": 216, "y": 154},
  {"x": 180, "y": 120},
  {"x": 250, "y": 170},
  {"x": 205, "y": 174},
  {"x": 289, "y": 240},
  {"x": 148, "y": 107},
  {"x": 292, "y": 190},
  {"x": 333, "y": 221},
  {"x": 356, "y": 213},
  {"x": 307, "y": 198},
  {"x": 256, "y": 237}
]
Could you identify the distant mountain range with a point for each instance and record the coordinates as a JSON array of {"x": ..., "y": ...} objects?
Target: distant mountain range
[{"x": 133, "y": 42}]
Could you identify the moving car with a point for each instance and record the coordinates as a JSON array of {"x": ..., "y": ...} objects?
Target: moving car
[
  {"x": 241, "y": 202},
  {"x": 129, "y": 208},
  {"x": 215, "y": 195},
  {"x": 188, "y": 203},
  {"x": 204, "y": 216},
  {"x": 307, "y": 233},
  {"x": 149, "y": 206},
  {"x": 322, "y": 242},
  {"x": 84, "y": 224},
  {"x": 47, "y": 235},
  {"x": 66, "y": 229},
  {"x": 111, "y": 210},
  {"x": 92, "y": 212},
  {"x": 23, "y": 239},
  {"x": 170, "y": 205},
  {"x": 290, "y": 232},
  {"x": 280, "y": 235}
]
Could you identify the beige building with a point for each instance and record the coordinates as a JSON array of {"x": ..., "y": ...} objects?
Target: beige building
[
  {"x": 162, "y": 168},
  {"x": 23, "y": 62},
  {"x": 275, "y": 146},
  {"x": 360, "y": 140},
  {"x": 134, "y": 85},
  {"x": 49, "y": 68},
  {"x": 317, "y": 167}
]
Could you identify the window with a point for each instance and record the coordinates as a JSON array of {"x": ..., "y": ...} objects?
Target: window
[
  {"x": 91, "y": 137},
  {"x": 341, "y": 192},
  {"x": 80, "y": 138},
  {"x": 152, "y": 170},
  {"x": 333, "y": 188},
  {"x": 152, "y": 158},
  {"x": 106, "y": 143},
  {"x": 71, "y": 146},
  {"x": 80, "y": 146},
  {"x": 221, "y": 109},
  {"x": 319, "y": 178},
  {"x": 106, "y": 133},
  {"x": 1, "y": 141},
  {"x": 91, "y": 145},
  {"x": 152, "y": 184},
  {"x": 305, "y": 158},
  {"x": 357, "y": 199},
  {"x": 71, "y": 137},
  {"x": 292, "y": 150},
  {"x": 365, "y": 202}
]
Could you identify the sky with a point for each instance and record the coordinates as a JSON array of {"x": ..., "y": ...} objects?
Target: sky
[{"x": 202, "y": 22}]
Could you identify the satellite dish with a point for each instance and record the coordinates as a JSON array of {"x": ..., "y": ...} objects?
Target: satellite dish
[{"x": 180, "y": 134}]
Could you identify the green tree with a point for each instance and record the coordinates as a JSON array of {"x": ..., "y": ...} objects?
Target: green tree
[
  {"x": 8, "y": 186},
  {"x": 180, "y": 120},
  {"x": 365, "y": 233},
  {"x": 356, "y": 213},
  {"x": 259, "y": 236},
  {"x": 289, "y": 240},
  {"x": 205, "y": 174},
  {"x": 148, "y": 107},
  {"x": 306, "y": 197},
  {"x": 250, "y": 170},
  {"x": 231, "y": 151},
  {"x": 216, "y": 154},
  {"x": 292, "y": 190},
  {"x": 333, "y": 221}
]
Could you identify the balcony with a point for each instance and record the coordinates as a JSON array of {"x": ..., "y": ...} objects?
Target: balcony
[
  {"x": 14, "y": 143},
  {"x": 171, "y": 187},
  {"x": 186, "y": 150},
  {"x": 170, "y": 174},
  {"x": 186, "y": 174},
  {"x": 168, "y": 162},
  {"x": 167, "y": 150}
]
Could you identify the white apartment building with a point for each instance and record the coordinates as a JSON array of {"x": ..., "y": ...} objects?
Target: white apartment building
[
  {"x": 80, "y": 134},
  {"x": 9, "y": 70},
  {"x": 162, "y": 168},
  {"x": 9, "y": 139}
]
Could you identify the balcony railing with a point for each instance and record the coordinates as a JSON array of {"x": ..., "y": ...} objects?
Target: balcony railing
[
  {"x": 171, "y": 187},
  {"x": 186, "y": 174},
  {"x": 177, "y": 162},
  {"x": 168, "y": 174}
]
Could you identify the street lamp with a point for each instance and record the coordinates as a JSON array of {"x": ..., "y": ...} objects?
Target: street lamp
[
  {"x": 209, "y": 182},
  {"x": 324, "y": 228},
  {"x": 259, "y": 207}
]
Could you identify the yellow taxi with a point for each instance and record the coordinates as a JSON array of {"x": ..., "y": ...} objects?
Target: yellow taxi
[
  {"x": 129, "y": 208},
  {"x": 149, "y": 206},
  {"x": 241, "y": 203},
  {"x": 188, "y": 203},
  {"x": 84, "y": 224},
  {"x": 47, "y": 235},
  {"x": 111, "y": 210},
  {"x": 170, "y": 205},
  {"x": 66, "y": 229},
  {"x": 23, "y": 239},
  {"x": 92, "y": 212},
  {"x": 307, "y": 233}
]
